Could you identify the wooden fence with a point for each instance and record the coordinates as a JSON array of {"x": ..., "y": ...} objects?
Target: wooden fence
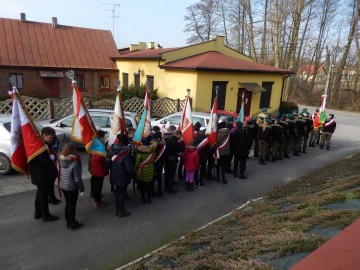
[{"x": 41, "y": 109}]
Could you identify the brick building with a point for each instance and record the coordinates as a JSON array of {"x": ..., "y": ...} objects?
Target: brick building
[{"x": 36, "y": 56}]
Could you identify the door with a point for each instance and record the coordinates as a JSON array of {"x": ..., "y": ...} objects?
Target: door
[
  {"x": 247, "y": 101},
  {"x": 221, "y": 94},
  {"x": 52, "y": 85}
]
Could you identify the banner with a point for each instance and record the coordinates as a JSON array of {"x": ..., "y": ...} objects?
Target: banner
[
  {"x": 83, "y": 128},
  {"x": 118, "y": 125},
  {"x": 26, "y": 142},
  {"x": 186, "y": 124},
  {"x": 211, "y": 129},
  {"x": 241, "y": 113},
  {"x": 144, "y": 128},
  {"x": 322, "y": 113}
]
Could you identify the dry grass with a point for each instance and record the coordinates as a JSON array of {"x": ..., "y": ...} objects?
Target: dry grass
[{"x": 274, "y": 227}]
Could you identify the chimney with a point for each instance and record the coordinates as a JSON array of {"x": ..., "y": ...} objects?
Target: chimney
[
  {"x": 151, "y": 45},
  {"x": 54, "y": 22},
  {"x": 142, "y": 45},
  {"x": 23, "y": 17},
  {"x": 134, "y": 47}
]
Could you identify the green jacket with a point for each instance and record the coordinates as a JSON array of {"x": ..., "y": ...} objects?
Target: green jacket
[{"x": 147, "y": 172}]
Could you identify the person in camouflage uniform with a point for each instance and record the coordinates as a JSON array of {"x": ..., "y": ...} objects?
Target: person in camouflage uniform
[
  {"x": 264, "y": 136},
  {"x": 277, "y": 134},
  {"x": 290, "y": 119}
]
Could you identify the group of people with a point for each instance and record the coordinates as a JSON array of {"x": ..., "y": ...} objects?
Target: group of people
[{"x": 154, "y": 163}]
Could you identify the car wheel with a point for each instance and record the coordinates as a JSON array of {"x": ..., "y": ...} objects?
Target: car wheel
[{"x": 5, "y": 164}]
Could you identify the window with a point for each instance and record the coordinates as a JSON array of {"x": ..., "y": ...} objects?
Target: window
[
  {"x": 174, "y": 120},
  {"x": 196, "y": 119},
  {"x": 137, "y": 80},
  {"x": 104, "y": 82},
  {"x": 80, "y": 81},
  {"x": 125, "y": 80},
  {"x": 266, "y": 96},
  {"x": 150, "y": 80},
  {"x": 17, "y": 80},
  {"x": 100, "y": 121}
]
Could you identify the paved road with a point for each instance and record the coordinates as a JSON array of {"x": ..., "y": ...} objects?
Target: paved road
[{"x": 107, "y": 242}]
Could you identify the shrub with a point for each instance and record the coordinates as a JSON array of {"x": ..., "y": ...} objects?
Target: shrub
[
  {"x": 133, "y": 91},
  {"x": 288, "y": 107}
]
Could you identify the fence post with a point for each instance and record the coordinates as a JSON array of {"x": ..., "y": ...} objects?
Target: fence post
[
  {"x": 51, "y": 108},
  {"x": 178, "y": 105}
]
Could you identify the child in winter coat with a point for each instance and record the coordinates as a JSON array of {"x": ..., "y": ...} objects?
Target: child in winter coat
[
  {"x": 144, "y": 167},
  {"x": 71, "y": 182},
  {"x": 191, "y": 164},
  {"x": 99, "y": 169}
]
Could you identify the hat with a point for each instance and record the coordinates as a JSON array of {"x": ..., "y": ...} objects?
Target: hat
[
  {"x": 230, "y": 120},
  {"x": 331, "y": 115},
  {"x": 261, "y": 118},
  {"x": 283, "y": 116},
  {"x": 264, "y": 110},
  {"x": 304, "y": 110},
  {"x": 291, "y": 116},
  {"x": 239, "y": 124},
  {"x": 146, "y": 140},
  {"x": 267, "y": 121},
  {"x": 276, "y": 119},
  {"x": 268, "y": 115},
  {"x": 250, "y": 121},
  {"x": 277, "y": 114}
]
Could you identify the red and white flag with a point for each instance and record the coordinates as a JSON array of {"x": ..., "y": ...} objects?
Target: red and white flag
[
  {"x": 83, "y": 128},
  {"x": 186, "y": 124},
  {"x": 118, "y": 121},
  {"x": 211, "y": 129},
  {"x": 26, "y": 142}
]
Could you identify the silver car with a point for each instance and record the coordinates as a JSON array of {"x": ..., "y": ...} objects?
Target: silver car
[
  {"x": 101, "y": 118},
  {"x": 5, "y": 144},
  {"x": 175, "y": 119}
]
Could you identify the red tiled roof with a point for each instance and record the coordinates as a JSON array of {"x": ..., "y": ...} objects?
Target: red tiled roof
[
  {"x": 143, "y": 54},
  {"x": 33, "y": 44},
  {"x": 218, "y": 62}
]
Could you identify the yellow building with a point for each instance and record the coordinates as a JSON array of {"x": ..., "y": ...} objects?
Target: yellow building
[{"x": 203, "y": 68}]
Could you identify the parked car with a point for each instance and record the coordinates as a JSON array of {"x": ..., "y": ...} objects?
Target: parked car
[
  {"x": 5, "y": 143},
  {"x": 175, "y": 119},
  {"x": 101, "y": 118}
]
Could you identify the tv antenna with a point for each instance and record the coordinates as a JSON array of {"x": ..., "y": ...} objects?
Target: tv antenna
[{"x": 115, "y": 15}]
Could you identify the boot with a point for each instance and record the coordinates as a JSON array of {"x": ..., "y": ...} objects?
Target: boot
[
  {"x": 328, "y": 147},
  {"x": 242, "y": 176},
  {"x": 224, "y": 182},
  {"x": 303, "y": 151},
  {"x": 191, "y": 187},
  {"x": 321, "y": 147},
  {"x": 286, "y": 156},
  {"x": 273, "y": 160}
]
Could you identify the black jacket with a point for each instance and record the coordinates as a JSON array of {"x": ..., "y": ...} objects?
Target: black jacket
[
  {"x": 122, "y": 169},
  {"x": 277, "y": 132},
  {"x": 240, "y": 142},
  {"x": 329, "y": 126},
  {"x": 43, "y": 171},
  {"x": 264, "y": 134},
  {"x": 206, "y": 150},
  {"x": 174, "y": 147}
]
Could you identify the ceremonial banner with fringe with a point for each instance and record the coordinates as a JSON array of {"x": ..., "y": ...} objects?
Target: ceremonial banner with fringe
[
  {"x": 241, "y": 113},
  {"x": 118, "y": 125},
  {"x": 26, "y": 142},
  {"x": 83, "y": 128},
  {"x": 186, "y": 124},
  {"x": 144, "y": 128},
  {"x": 211, "y": 129}
]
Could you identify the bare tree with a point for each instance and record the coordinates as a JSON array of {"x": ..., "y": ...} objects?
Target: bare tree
[
  {"x": 353, "y": 29},
  {"x": 202, "y": 22}
]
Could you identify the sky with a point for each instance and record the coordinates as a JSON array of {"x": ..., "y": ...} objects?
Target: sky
[{"x": 159, "y": 21}]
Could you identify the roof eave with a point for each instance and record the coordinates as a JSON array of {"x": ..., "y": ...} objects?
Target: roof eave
[{"x": 229, "y": 70}]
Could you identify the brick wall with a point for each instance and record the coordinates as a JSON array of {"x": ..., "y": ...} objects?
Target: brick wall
[{"x": 35, "y": 86}]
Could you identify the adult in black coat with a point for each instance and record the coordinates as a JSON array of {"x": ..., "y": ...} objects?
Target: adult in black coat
[
  {"x": 240, "y": 144},
  {"x": 175, "y": 146},
  {"x": 161, "y": 155},
  {"x": 43, "y": 172},
  {"x": 122, "y": 172}
]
